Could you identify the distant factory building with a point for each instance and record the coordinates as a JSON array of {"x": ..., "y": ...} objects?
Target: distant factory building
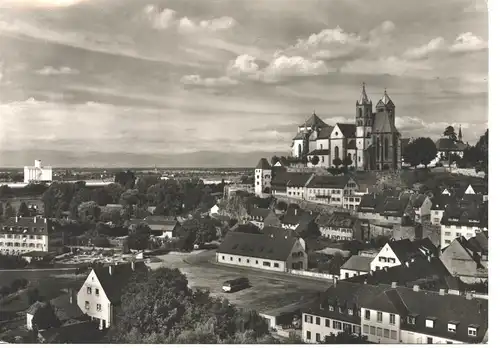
[{"x": 37, "y": 173}]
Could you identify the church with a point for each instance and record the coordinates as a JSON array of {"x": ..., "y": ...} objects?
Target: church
[{"x": 371, "y": 143}]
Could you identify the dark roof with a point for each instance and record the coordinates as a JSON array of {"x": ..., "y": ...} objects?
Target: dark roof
[
  {"x": 382, "y": 123},
  {"x": 300, "y": 136},
  {"x": 418, "y": 200},
  {"x": 112, "y": 284},
  {"x": 358, "y": 263},
  {"x": 369, "y": 202},
  {"x": 446, "y": 144},
  {"x": 325, "y": 132},
  {"x": 480, "y": 188},
  {"x": 441, "y": 201},
  {"x": 32, "y": 225},
  {"x": 406, "y": 249},
  {"x": 79, "y": 332},
  {"x": 394, "y": 206},
  {"x": 295, "y": 216},
  {"x": 347, "y": 129},
  {"x": 35, "y": 307},
  {"x": 319, "y": 152},
  {"x": 263, "y": 164},
  {"x": 328, "y": 181},
  {"x": 336, "y": 220},
  {"x": 351, "y": 145},
  {"x": 314, "y": 121},
  {"x": 64, "y": 309},
  {"x": 468, "y": 215},
  {"x": 36, "y": 253},
  {"x": 259, "y": 213},
  {"x": 298, "y": 179},
  {"x": 245, "y": 228},
  {"x": 273, "y": 244}
]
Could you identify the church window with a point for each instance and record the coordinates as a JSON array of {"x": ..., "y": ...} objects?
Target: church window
[
  {"x": 321, "y": 146},
  {"x": 300, "y": 150},
  {"x": 336, "y": 152},
  {"x": 386, "y": 148}
]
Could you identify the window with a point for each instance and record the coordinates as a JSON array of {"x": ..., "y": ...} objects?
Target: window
[
  {"x": 392, "y": 319},
  {"x": 386, "y": 333},
  {"x": 97, "y": 292},
  {"x": 223, "y": 257},
  {"x": 452, "y": 327},
  {"x": 410, "y": 320},
  {"x": 239, "y": 259},
  {"x": 266, "y": 263},
  {"x": 308, "y": 335},
  {"x": 367, "y": 314},
  {"x": 429, "y": 340},
  {"x": 98, "y": 306},
  {"x": 256, "y": 262},
  {"x": 350, "y": 312},
  {"x": 372, "y": 330},
  {"x": 318, "y": 321},
  {"x": 382, "y": 259},
  {"x": 357, "y": 330},
  {"x": 327, "y": 322},
  {"x": 318, "y": 337},
  {"x": 379, "y": 317},
  {"x": 472, "y": 331},
  {"x": 394, "y": 335},
  {"x": 248, "y": 261},
  {"x": 87, "y": 305},
  {"x": 429, "y": 323},
  {"x": 331, "y": 308},
  {"x": 338, "y": 325},
  {"x": 379, "y": 332},
  {"x": 231, "y": 258},
  {"x": 366, "y": 329},
  {"x": 89, "y": 290}
]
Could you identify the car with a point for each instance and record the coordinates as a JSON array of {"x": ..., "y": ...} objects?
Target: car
[{"x": 236, "y": 284}]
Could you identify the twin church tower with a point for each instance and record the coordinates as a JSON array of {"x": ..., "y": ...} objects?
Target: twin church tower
[{"x": 371, "y": 143}]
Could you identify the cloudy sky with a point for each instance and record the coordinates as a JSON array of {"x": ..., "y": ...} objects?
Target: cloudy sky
[{"x": 223, "y": 82}]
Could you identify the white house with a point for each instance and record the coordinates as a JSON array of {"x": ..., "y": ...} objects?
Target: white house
[
  {"x": 275, "y": 249},
  {"x": 458, "y": 221},
  {"x": 398, "y": 252},
  {"x": 100, "y": 294},
  {"x": 214, "y": 210},
  {"x": 37, "y": 173},
  {"x": 263, "y": 176},
  {"x": 355, "y": 266},
  {"x": 20, "y": 235},
  {"x": 421, "y": 205}
]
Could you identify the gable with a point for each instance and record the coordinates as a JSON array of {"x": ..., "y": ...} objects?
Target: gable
[
  {"x": 94, "y": 282},
  {"x": 336, "y": 132}
]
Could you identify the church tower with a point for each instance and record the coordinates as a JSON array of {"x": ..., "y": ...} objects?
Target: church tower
[
  {"x": 386, "y": 104},
  {"x": 460, "y": 134},
  {"x": 364, "y": 123}
]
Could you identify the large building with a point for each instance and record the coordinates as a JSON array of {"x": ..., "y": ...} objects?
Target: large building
[
  {"x": 371, "y": 143},
  {"x": 20, "y": 235},
  {"x": 37, "y": 173}
]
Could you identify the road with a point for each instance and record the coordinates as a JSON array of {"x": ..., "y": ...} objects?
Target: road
[{"x": 268, "y": 291}]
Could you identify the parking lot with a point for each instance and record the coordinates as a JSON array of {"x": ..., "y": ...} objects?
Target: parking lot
[{"x": 268, "y": 291}]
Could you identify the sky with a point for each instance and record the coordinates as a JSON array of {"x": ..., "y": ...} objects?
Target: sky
[{"x": 225, "y": 82}]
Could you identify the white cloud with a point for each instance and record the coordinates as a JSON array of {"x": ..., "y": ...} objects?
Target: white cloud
[
  {"x": 216, "y": 24},
  {"x": 283, "y": 66},
  {"x": 197, "y": 80},
  {"x": 159, "y": 18},
  {"x": 477, "y": 6},
  {"x": 328, "y": 36},
  {"x": 424, "y": 50},
  {"x": 243, "y": 65},
  {"x": 49, "y": 70},
  {"x": 468, "y": 42},
  {"x": 40, "y": 3},
  {"x": 384, "y": 28}
]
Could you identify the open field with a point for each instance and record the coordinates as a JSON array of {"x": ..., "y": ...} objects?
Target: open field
[{"x": 268, "y": 291}]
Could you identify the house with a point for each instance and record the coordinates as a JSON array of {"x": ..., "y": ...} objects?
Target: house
[
  {"x": 446, "y": 147},
  {"x": 439, "y": 204},
  {"x": 330, "y": 189},
  {"x": 263, "y": 175},
  {"x": 467, "y": 221},
  {"x": 392, "y": 314},
  {"x": 467, "y": 258},
  {"x": 398, "y": 252},
  {"x": 275, "y": 249},
  {"x": 339, "y": 226},
  {"x": 294, "y": 216},
  {"x": 257, "y": 216},
  {"x": 296, "y": 185},
  {"x": 40, "y": 315},
  {"x": 383, "y": 208},
  {"x": 100, "y": 295},
  {"x": 66, "y": 307},
  {"x": 164, "y": 226},
  {"x": 19, "y": 235},
  {"x": 214, "y": 210},
  {"x": 355, "y": 266},
  {"x": 421, "y": 205},
  {"x": 477, "y": 189}
]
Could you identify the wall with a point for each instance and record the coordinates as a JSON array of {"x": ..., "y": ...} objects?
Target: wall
[
  {"x": 320, "y": 329},
  {"x": 458, "y": 262},
  {"x": 377, "y": 331},
  {"x": 297, "y": 247},
  {"x": 404, "y": 232},
  {"x": 262, "y": 180},
  {"x": 29, "y": 320},
  {"x": 347, "y": 273},
  {"x": 337, "y": 233},
  {"x": 387, "y": 253},
  {"x": 41, "y": 244},
  {"x": 424, "y": 211},
  {"x": 311, "y": 274},
  {"x": 467, "y": 172},
  {"x": 251, "y": 262},
  {"x": 106, "y": 308},
  {"x": 37, "y": 174},
  {"x": 409, "y": 337},
  {"x": 436, "y": 216},
  {"x": 377, "y": 230},
  {"x": 450, "y": 232}
]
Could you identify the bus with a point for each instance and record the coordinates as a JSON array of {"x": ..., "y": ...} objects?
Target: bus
[{"x": 235, "y": 284}]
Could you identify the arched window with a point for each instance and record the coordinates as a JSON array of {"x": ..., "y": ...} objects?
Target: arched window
[
  {"x": 336, "y": 152},
  {"x": 386, "y": 148},
  {"x": 300, "y": 150},
  {"x": 349, "y": 156},
  {"x": 321, "y": 146}
]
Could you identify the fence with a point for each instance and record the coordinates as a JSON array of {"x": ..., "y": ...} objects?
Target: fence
[{"x": 311, "y": 274}]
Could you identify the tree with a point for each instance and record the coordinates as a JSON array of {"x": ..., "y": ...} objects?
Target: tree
[
  {"x": 6, "y": 191},
  {"x": 344, "y": 337},
  {"x": 337, "y": 162},
  {"x": 315, "y": 160},
  {"x": 125, "y": 179},
  {"x": 89, "y": 211},
  {"x": 347, "y": 161},
  {"x": 281, "y": 205},
  {"x": 1, "y": 211},
  {"x": 130, "y": 198},
  {"x": 8, "y": 211},
  {"x": 449, "y": 132},
  {"x": 420, "y": 151},
  {"x": 138, "y": 237},
  {"x": 23, "y": 210}
]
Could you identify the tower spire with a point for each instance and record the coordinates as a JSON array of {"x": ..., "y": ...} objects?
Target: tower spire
[
  {"x": 385, "y": 99},
  {"x": 363, "y": 99},
  {"x": 460, "y": 133}
]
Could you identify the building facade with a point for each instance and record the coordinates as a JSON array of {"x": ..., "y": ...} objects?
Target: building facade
[
  {"x": 371, "y": 143},
  {"x": 263, "y": 176},
  {"x": 37, "y": 173},
  {"x": 19, "y": 235}
]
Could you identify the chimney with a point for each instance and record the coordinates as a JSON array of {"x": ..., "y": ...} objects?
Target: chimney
[
  {"x": 110, "y": 269},
  {"x": 335, "y": 281},
  {"x": 34, "y": 219},
  {"x": 17, "y": 218},
  {"x": 468, "y": 295},
  {"x": 442, "y": 292},
  {"x": 296, "y": 211},
  {"x": 407, "y": 264},
  {"x": 416, "y": 288},
  {"x": 394, "y": 284},
  {"x": 45, "y": 220}
]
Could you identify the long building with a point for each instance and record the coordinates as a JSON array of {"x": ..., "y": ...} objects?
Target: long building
[{"x": 19, "y": 235}]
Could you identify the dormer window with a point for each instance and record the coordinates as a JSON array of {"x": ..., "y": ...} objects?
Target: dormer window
[
  {"x": 452, "y": 326},
  {"x": 472, "y": 331},
  {"x": 331, "y": 308},
  {"x": 411, "y": 320},
  {"x": 350, "y": 312},
  {"x": 429, "y": 323}
]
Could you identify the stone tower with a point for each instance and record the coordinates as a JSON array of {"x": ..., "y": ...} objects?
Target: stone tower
[{"x": 364, "y": 123}]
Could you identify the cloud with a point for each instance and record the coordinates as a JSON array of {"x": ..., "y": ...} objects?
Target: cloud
[
  {"x": 389, "y": 65},
  {"x": 160, "y": 18},
  {"x": 468, "y": 42},
  {"x": 384, "y": 28},
  {"x": 243, "y": 65},
  {"x": 328, "y": 36},
  {"x": 49, "y": 70},
  {"x": 164, "y": 18},
  {"x": 40, "y": 3},
  {"x": 477, "y": 6},
  {"x": 424, "y": 51},
  {"x": 283, "y": 66},
  {"x": 197, "y": 80}
]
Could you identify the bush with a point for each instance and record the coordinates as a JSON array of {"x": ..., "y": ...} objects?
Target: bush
[
  {"x": 12, "y": 262},
  {"x": 19, "y": 284}
]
